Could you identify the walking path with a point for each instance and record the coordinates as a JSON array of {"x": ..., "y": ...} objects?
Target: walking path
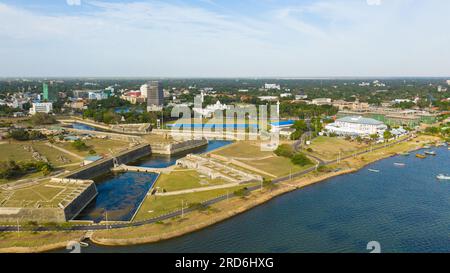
[
  {"x": 64, "y": 151},
  {"x": 218, "y": 187}
]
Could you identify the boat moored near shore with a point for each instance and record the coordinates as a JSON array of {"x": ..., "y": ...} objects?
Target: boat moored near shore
[{"x": 443, "y": 177}]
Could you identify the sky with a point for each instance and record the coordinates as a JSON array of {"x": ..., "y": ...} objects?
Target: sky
[{"x": 224, "y": 38}]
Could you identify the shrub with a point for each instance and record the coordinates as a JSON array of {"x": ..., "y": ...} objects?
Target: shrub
[
  {"x": 301, "y": 160},
  {"x": 80, "y": 145},
  {"x": 284, "y": 150}
]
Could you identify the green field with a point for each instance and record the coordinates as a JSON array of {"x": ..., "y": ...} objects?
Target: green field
[
  {"x": 328, "y": 148},
  {"x": 278, "y": 166},
  {"x": 154, "y": 206},
  {"x": 185, "y": 179},
  {"x": 243, "y": 149},
  {"x": 100, "y": 146}
]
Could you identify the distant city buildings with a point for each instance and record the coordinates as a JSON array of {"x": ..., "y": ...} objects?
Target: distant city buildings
[
  {"x": 322, "y": 101},
  {"x": 268, "y": 98},
  {"x": 272, "y": 86},
  {"x": 285, "y": 95},
  {"x": 356, "y": 126},
  {"x": 440, "y": 88},
  {"x": 155, "y": 96},
  {"x": 41, "y": 107}
]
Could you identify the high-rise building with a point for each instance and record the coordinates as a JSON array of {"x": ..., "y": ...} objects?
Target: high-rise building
[
  {"x": 45, "y": 91},
  {"x": 155, "y": 96}
]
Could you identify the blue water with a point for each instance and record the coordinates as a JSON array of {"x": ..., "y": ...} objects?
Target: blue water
[
  {"x": 119, "y": 195},
  {"x": 212, "y": 126},
  {"x": 156, "y": 161},
  {"x": 404, "y": 208},
  {"x": 80, "y": 126}
]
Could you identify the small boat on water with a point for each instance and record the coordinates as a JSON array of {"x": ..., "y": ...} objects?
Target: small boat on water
[
  {"x": 84, "y": 244},
  {"x": 374, "y": 171},
  {"x": 430, "y": 153},
  {"x": 427, "y": 147},
  {"x": 421, "y": 156},
  {"x": 443, "y": 177},
  {"x": 400, "y": 164},
  {"x": 404, "y": 154}
]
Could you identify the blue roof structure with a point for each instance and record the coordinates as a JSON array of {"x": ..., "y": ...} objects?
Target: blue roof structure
[
  {"x": 282, "y": 123},
  {"x": 93, "y": 158}
]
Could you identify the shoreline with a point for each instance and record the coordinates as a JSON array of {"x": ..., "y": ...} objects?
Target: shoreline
[{"x": 242, "y": 206}]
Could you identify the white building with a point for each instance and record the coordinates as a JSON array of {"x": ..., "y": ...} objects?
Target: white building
[
  {"x": 285, "y": 95},
  {"x": 41, "y": 107},
  {"x": 356, "y": 126},
  {"x": 268, "y": 98},
  {"x": 270, "y": 86},
  {"x": 321, "y": 101},
  {"x": 144, "y": 91},
  {"x": 448, "y": 82},
  {"x": 210, "y": 109},
  {"x": 97, "y": 95}
]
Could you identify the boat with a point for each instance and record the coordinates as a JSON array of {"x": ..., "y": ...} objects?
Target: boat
[
  {"x": 443, "y": 177},
  {"x": 421, "y": 156},
  {"x": 404, "y": 154},
  {"x": 374, "y": 171},
  {"x": 430, "y": 153},
  {"x": 427, "y": 147},
  {"x": 400, "y": 164},
  {"x": 84, "y": 244}
]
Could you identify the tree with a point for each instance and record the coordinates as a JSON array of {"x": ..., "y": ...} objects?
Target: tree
[
  {"x": 387, "y": 135},
  {"x": 374, "y": 137},
  {"x": 42, "y": 119},
  {"x": 19, "y": 134},
  {"x": 301, "y": 160},
  {"x": 284, "y": 150},
  {"x": 80, "y": 145}
]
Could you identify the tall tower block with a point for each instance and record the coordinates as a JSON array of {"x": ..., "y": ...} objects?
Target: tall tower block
[{"x": 45, "y": 91}]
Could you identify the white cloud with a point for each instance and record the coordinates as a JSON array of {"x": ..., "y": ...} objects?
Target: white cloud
[
  {"x": 374, "y": 2},
  {"x": 157, "y": 38},
  {"x": 73, "y": 2}
]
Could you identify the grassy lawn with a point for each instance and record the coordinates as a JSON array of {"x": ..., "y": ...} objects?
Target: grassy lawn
[
  {"x": 328, "y": 148},
  {"x": 15, "y": 151},
  {"x": 100, "y": 146},
  {"x": 278, "y": 166},
  {"x": 154, "y": 206},
  {"x": 243, "y": 149},
  {"x": 36, "y": 239},
  {"x": 185, "y": 179}
]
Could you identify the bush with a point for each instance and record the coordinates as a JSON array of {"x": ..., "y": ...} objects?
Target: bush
[
  {"x": 42, "y": 119},
  {"x": 24, "y": 135},
  {"x": 80, "y": 145},
  {"x": 284, "y": 150},
  {"x": 301, "y": 160}
]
